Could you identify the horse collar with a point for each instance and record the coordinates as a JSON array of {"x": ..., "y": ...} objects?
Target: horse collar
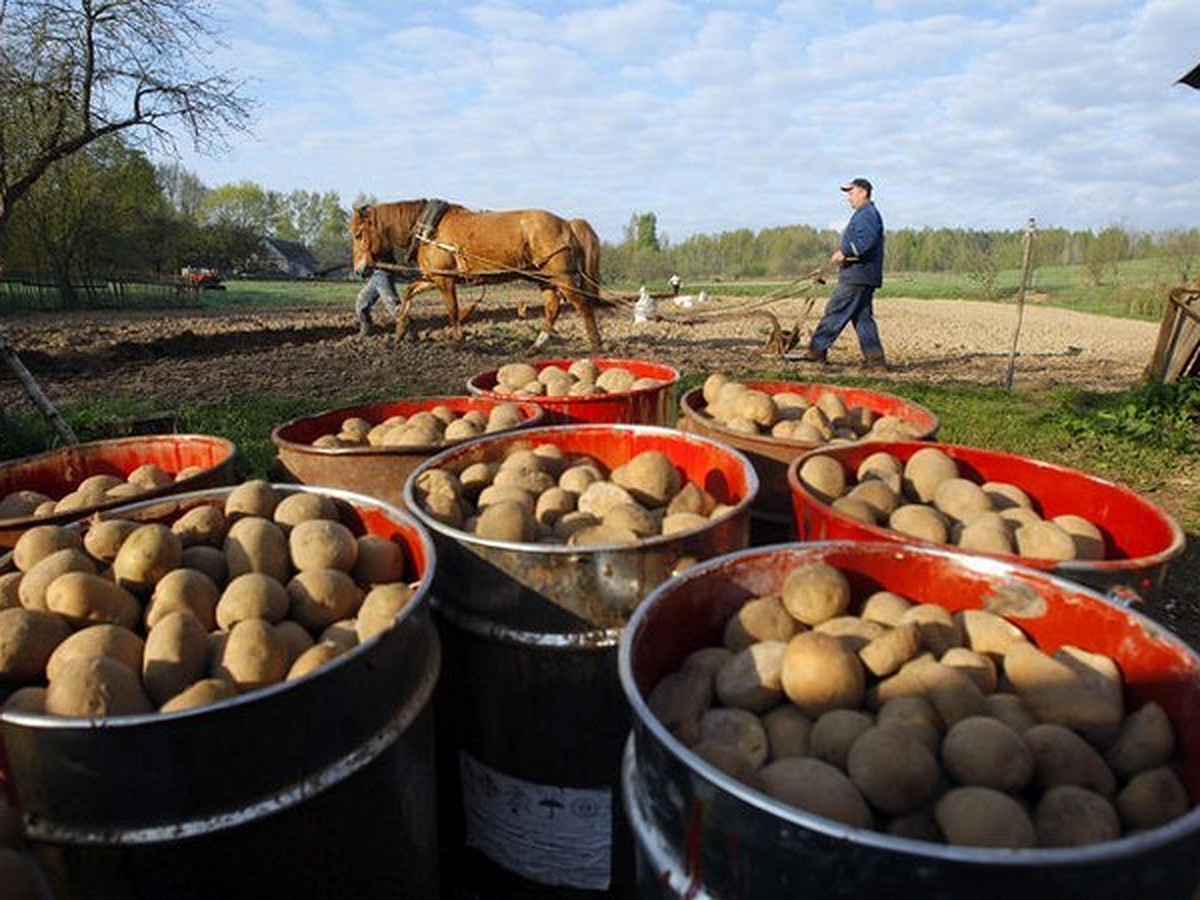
[{"x": 427, "y": 223}]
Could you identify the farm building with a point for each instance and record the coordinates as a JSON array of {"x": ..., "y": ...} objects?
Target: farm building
[{"x": 288, "y": 258}]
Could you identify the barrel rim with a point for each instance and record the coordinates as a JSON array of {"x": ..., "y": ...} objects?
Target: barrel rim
[
  {"x": 672, "y": 376},
  {"x": 421, "y": 595},
  {"x": 1127, "y": 845},
  {"x": 1086, "y": 567},
  {"x": 687, "y": 403},
  {"x": 466, "y": 537}
]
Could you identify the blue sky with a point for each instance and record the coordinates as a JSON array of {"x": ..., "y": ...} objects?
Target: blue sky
[{"x": 717, "y": 115}]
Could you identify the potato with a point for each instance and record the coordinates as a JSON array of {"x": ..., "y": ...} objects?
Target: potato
[
  {"x": 980, "y": 668},
  {"x": 96, "y": 687},
  {"x": 578, "y": 478},
  {"x": 983, "y": 817},
  {"x": 1044, "y": 540},
  {"x": 939, "y": 629},
  {"x": 1011, "y": 710},
  {"x": 988, "y": 633},
  {"x": 752, "y": 678},
  {"x": 821, "y": 673},
  {"x": 207, "y": 560},
  {"x": 919, "y": 521},
  {"x": 823, "y": 476},
  {"x": 916, "y": 717},
  {"x": 295, "y": 636},
  {"x": 984, "y": 751},
  {"x": 787, "y": 731},
  {"x": 322, "y": 544},
  {"x": 256, "y": 544},
  {"x": 301, "y": 507},
  {"x": 1062, "y": 757},
  {"x": 882, "y": 466},
  {"x": 1058, "y": 693},
  {"x": 679, "y": 699},
  {"x": 104, "y": 537},
  {"x": 40, "y": 541},
  {"x": 1006, "y": 496},
  {"x": 679, "y": 522},
  {"x": 83, "y": 598},
  {"x": 146, "y": 555},
  {"x": 707, "y": 660},
  {"x": 692, "y": 499},
  {"x": 877, "y": 495},
  {"x": 1071, "y": 816},
  {"x": 10, "y": 589},
  {"x": 854, "y": 632},
  {"x": 728, "y": 758},
  {"x": 204, "y": 692},
  {"x": 1152, "y": 798},
  {"x": 885, "y": 607},
  {"x": 252, "y": 595},
  {"x": 1146, "y": 741},
  {"x": 960, "y": 498},
  {"x": 380, "y": 609},
  {"x": 507, "y": 520},
  {"x": 251, "y": 498},
  {"x": 983, "y": 535},
  {"x": 379, "y": 560},
  {"x": 739, "y": 728},
  {"x": 1089, "y": 540},
  {"x": 29, "y": 699},
  {"x": 834, "y": 733},
  {"x": 893, "y": 770},
  {"x": 631, "y": 516},
  {"x": 27, "y": 639},
  {"x": 858, "y": 510},
  {"x": 320, "y": 597},
  {"x": 176, "y": 656},
  {"x": 815, "y": 592},
  {"x": 122, "y": 644},
  {"x": 953, "y": 694},
  {"x": 818, "y": 788},
  {"x": 343, "y": 632},
  {"x": 32, "y": 589},
  {"x": 184, "y": 589},
  {"x": 314, "y": 658},
  {"x": 758, "y": 619},
  {"x": 253, "y": 656},
  {"x": 925, "y": 470}
]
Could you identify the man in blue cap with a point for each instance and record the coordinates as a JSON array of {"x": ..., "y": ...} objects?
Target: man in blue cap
[{"x": 859, "y": 258}]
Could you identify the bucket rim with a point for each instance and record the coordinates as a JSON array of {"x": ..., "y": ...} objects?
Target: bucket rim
[
  {"x": 671, "y": 377},
  {"x": 421, "y": 596},
  {"x": 1174, "y": 548},
  {"x": 466, "y": 537},
  {"x": 1128, "y": 845}
]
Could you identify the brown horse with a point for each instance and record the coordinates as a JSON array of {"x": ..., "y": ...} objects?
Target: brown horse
[{"x": 476, "y": 247}]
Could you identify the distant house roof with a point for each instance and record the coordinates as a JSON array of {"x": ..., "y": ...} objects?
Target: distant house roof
[
  {"x": 290, "y": 257},
  {"x": 1191, "y": 79}
]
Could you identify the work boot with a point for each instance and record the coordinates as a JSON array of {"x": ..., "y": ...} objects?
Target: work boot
[
  {"x": 365, "y": 325},
  {"x": 874, "y": 362},
  {"x": 809, "y": 354}
]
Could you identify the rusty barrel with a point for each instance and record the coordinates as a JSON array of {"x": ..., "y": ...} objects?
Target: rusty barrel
[
  {"x": 1140, "y": 538},
  {"x": 212, "y": 462},
  {"x": 651, "y": 405},
  {"x": 771, "y": 517},
  {"x": 530, "y": 713},
  {"x": 701, "y": 833},
  {"x": 379, "y": 471},
  {"x": 319, "y": 787}
]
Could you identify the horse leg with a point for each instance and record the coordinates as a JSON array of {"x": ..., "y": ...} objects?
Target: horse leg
[
  {"x": 549, "y": 315},
  {"x": 450, "y": 298},
  {"x": 587, "y": 313},
  {"x": 402, "y": 332}
]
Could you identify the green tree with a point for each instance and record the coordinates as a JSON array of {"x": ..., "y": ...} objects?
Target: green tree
[
  {"x": 73, "y": 72},
  {"x": 1182, "y": 247}
]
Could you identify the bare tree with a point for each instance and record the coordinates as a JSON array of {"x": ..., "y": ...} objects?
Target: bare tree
[{"x": 75, "y": 71}]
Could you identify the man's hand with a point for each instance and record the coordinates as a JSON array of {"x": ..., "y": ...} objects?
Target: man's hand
[{"x": 837, "y": 257}]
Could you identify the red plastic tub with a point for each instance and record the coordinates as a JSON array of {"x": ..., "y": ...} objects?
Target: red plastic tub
[
  {"x": 702, "y": 833},
  {"x": 59, "y": 472},
  {"x": 1140, "y": 538},
  {"x": 772, "y": 511},
  {"x": 375, "y": 471},
  {"x": 644, "y": 406}
]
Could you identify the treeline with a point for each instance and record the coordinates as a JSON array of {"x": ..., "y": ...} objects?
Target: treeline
[
  {"x": 789, "y": 251},
  {"x": 109, "y": 212}
]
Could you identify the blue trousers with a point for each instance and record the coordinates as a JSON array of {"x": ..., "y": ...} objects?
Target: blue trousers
[
  {"x": 378, "y": 286},
  {"x": 849, "y": 304}
]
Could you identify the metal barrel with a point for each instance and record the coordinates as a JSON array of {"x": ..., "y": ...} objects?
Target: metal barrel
[
  {"x": 700, "y": 833},
  {"x": 531, "y": 717},
  {"x": 771, "y": 518},
  {"x": 324, "y": 786},
  {"x": 1140, "y": 537},
  {"x": 376, "y": 471},
  {"x": 655, "y": 405},
  {"x": 58, "y": 472}
]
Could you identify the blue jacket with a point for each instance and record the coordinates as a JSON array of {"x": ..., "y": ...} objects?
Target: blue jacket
[{"x": 863, "y": 238}]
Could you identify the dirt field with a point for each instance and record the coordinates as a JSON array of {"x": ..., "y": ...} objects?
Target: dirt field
[{"x": 179, "y": 358}]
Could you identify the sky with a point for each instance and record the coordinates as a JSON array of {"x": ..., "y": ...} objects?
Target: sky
[{"x": 726, "y": 114}]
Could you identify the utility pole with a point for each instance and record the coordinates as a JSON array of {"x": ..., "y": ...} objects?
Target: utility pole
[{"x": 1026, "y": 266}]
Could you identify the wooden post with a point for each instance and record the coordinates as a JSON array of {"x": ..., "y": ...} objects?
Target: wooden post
[
  {"x": 1026, "y": 265},
  {"x": 35, "y": 393}
]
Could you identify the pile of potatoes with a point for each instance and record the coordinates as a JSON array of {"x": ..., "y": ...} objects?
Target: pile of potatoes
[
  {"x": 580, "y": 379},
  {"x": 928, "y": 498},
  {"x": 128, "y": 617},
  {"x": 92, "y": 491},
  {"x": 437, "y": 426},
  {"x": 791, "y": 416},
  {"x": 545, "y": 495},
  {"x": 886, "y": 713}
]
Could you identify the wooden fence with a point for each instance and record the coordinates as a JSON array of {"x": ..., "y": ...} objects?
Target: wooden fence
[{"x": 31, "y": 294}]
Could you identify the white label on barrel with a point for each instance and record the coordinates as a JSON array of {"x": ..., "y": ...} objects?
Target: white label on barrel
[{"x": 548, "y": 834}]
